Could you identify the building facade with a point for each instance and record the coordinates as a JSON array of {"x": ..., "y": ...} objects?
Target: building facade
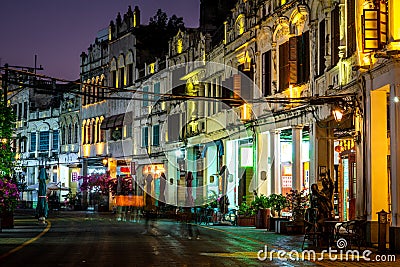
[{"x": 278, "y": 95}]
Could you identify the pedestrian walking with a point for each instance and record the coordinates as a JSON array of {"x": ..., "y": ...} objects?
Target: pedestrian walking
[{"x": 191, "y": 226}]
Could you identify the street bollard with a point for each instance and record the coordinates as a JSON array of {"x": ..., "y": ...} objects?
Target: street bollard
[{"x": 382, "y": 221}]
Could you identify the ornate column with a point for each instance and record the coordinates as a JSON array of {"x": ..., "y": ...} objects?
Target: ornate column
[
  {"x": 275, "y": 155},
  {"x": 297, "y": 182},
  {"x": 313, "y": 158},
  {"x": 263, "y": 163}
]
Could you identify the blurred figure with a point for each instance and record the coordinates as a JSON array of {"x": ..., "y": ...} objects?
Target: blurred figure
[
  {"x": 190, "y": 221},
  {"x": 163, "y": 182},
  {"x": 149, "y": 206}
]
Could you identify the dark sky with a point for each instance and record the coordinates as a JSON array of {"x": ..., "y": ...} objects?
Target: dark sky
[{"x": 58, "y": 31}]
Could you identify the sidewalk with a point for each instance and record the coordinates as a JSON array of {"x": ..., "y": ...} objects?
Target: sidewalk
[{"x": 26, "y": 229}]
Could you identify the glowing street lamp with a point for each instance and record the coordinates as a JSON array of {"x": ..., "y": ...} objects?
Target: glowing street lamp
[
  {"x": 337, "y": 114},
  {"x": 105, "y": 161}
]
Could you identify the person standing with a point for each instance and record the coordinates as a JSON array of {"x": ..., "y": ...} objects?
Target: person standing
[
  {"x": 163, "y": 182},
  {"x": 148, "y": 202},
  {"x": 190, "y": 222}
]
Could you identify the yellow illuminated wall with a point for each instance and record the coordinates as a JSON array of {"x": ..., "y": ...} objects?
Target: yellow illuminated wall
[
  {"x": 152, "y": 68},
  {"x": 379, "y": 144},
  {"x": 179, "y": 46},
  {"x": 240, "y": 21},
  {"x": 394, "y": 25}
]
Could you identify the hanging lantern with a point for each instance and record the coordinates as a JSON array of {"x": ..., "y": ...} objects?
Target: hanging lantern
[{"x": 339, "y": 149}]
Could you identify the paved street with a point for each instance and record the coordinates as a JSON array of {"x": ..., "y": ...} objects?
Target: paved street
[{"x": 98, "y": 239}]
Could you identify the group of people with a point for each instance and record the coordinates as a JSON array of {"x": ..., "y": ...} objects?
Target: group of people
[
  {"x": 150, "y": 209},
  {"x": 189, "y": 222}
]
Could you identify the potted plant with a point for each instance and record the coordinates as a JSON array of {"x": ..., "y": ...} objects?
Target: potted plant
[
  {"x": 262, "y": 206},
  {"x": 246, "y": 215},
  {"x": 277, "y": 202},
  {"x": 298, "y": 201}
]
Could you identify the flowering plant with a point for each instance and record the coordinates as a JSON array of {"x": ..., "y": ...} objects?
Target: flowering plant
[
  {"x": 9, "y": 195},
  {"x": 104, "y": 183},
  {"x": 298, "y": 203},
  {"x": 97, "y": 183}
]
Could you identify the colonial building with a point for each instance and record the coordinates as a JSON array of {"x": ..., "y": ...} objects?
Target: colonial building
[
  {"x": 315, "y": 88},
  {"x": 37, "y": 109},
  {"x": 70, "y": 139},
  {"x": 94, "y": 78}
]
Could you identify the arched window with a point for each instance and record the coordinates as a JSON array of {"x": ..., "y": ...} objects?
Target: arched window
[
  {"x": 102, "y": 88},
  {"x": 76, "y": 133},
  {"x": 62, "y": 135},
  {"x": 87, "y": 132},
  {"x": 83, "y": 133},
  {"x": 90, "y": 94},
  {"x": 95, "y": 93},
  {"x": 69, "y": 134},
  {"x": 84, "y": 97},
  {"x": 98, "y": 131},
  {"x": 94, "y": 132},
  {"x": 101, "y": 132}
]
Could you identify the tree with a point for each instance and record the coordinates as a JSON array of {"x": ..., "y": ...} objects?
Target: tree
[
  {"x": 153, "y": 39},
  {"x": 159, "y": 20},
  {"x": 7, "y": 156}
]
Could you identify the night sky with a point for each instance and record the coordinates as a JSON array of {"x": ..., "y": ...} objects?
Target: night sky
[{"x": 58, "y": 31}]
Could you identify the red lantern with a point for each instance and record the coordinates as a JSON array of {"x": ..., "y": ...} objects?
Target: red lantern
[{"x": 339, "y": 149}]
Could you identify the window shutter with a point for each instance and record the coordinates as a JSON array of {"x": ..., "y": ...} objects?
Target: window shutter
[
  {"x": 293, "y": 60},
  {"x": 237, "y": 83},
  {"x": 266, "y": 73},
  {"x": 383, "y": 17},
  {"x": 374, "y": 27},
  {"x": 173, "y": 127},
  {"x": 370, "y": 29},
  {"x": 246, "y": 86},
  {"x": 321, "y": 47},
  {"x": 335, "y": 35},
  {"x": 283, "y": 66},
  {"x": 351, "y": 28},
  {"x": 303, "y": 64}
]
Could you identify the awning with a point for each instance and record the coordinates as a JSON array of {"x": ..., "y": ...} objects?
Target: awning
[
  {"x": 113, "y": 122},
  {"x": 104, "y": 122},
  {"x": 119, "y": 120}
]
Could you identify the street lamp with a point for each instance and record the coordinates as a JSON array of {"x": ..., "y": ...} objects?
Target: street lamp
[
  {"x": 105, "y": 161},
  {"x": 337, "y": 114}
]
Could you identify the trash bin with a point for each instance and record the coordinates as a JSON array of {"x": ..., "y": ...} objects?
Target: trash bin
[{"x": 382, "y": 222}]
